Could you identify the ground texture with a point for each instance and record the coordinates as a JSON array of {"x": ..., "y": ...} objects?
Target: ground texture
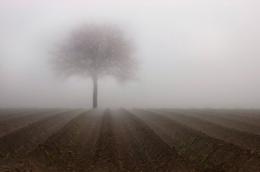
[{"x": 137, "y": 140}]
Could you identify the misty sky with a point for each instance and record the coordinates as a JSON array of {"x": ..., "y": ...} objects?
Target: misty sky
[{"x": 191, "y": 53}]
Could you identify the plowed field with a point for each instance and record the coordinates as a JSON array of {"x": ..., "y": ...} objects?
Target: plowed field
[{"x": 154, "y": 140}]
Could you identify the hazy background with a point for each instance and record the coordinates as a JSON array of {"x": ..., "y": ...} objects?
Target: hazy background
[{"x": 191, "y": 53}]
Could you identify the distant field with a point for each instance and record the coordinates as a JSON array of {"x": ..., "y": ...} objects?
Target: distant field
[{"x": 154, "y": 140}]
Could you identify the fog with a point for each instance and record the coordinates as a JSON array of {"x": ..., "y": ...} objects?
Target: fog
[{"x": 191, "y": 54}]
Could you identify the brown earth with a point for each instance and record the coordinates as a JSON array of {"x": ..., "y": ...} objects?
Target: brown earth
[
  {"x": 129, "y": 141},
  {"x": 219, "y": 127}
]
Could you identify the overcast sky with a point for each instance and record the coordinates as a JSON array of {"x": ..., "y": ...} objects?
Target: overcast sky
[{"x": 191, "y": 53}]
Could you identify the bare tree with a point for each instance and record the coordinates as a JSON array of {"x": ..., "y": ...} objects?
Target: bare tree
[{"x": 95, "y": 51}]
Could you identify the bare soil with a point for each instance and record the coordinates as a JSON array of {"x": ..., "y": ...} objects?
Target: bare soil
[{"x": 128, "y": 141}]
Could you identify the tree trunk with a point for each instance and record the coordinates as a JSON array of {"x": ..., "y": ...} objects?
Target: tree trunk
[{"x": 95, "y": 92}]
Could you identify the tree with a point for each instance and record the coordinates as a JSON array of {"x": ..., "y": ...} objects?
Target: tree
[{"x": 95, "y": 51}]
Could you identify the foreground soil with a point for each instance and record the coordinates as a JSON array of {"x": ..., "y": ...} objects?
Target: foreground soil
[{"x": 159, "y": 140}]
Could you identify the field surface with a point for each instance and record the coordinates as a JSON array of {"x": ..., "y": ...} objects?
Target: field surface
[{"x": 136, "y": 140}]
